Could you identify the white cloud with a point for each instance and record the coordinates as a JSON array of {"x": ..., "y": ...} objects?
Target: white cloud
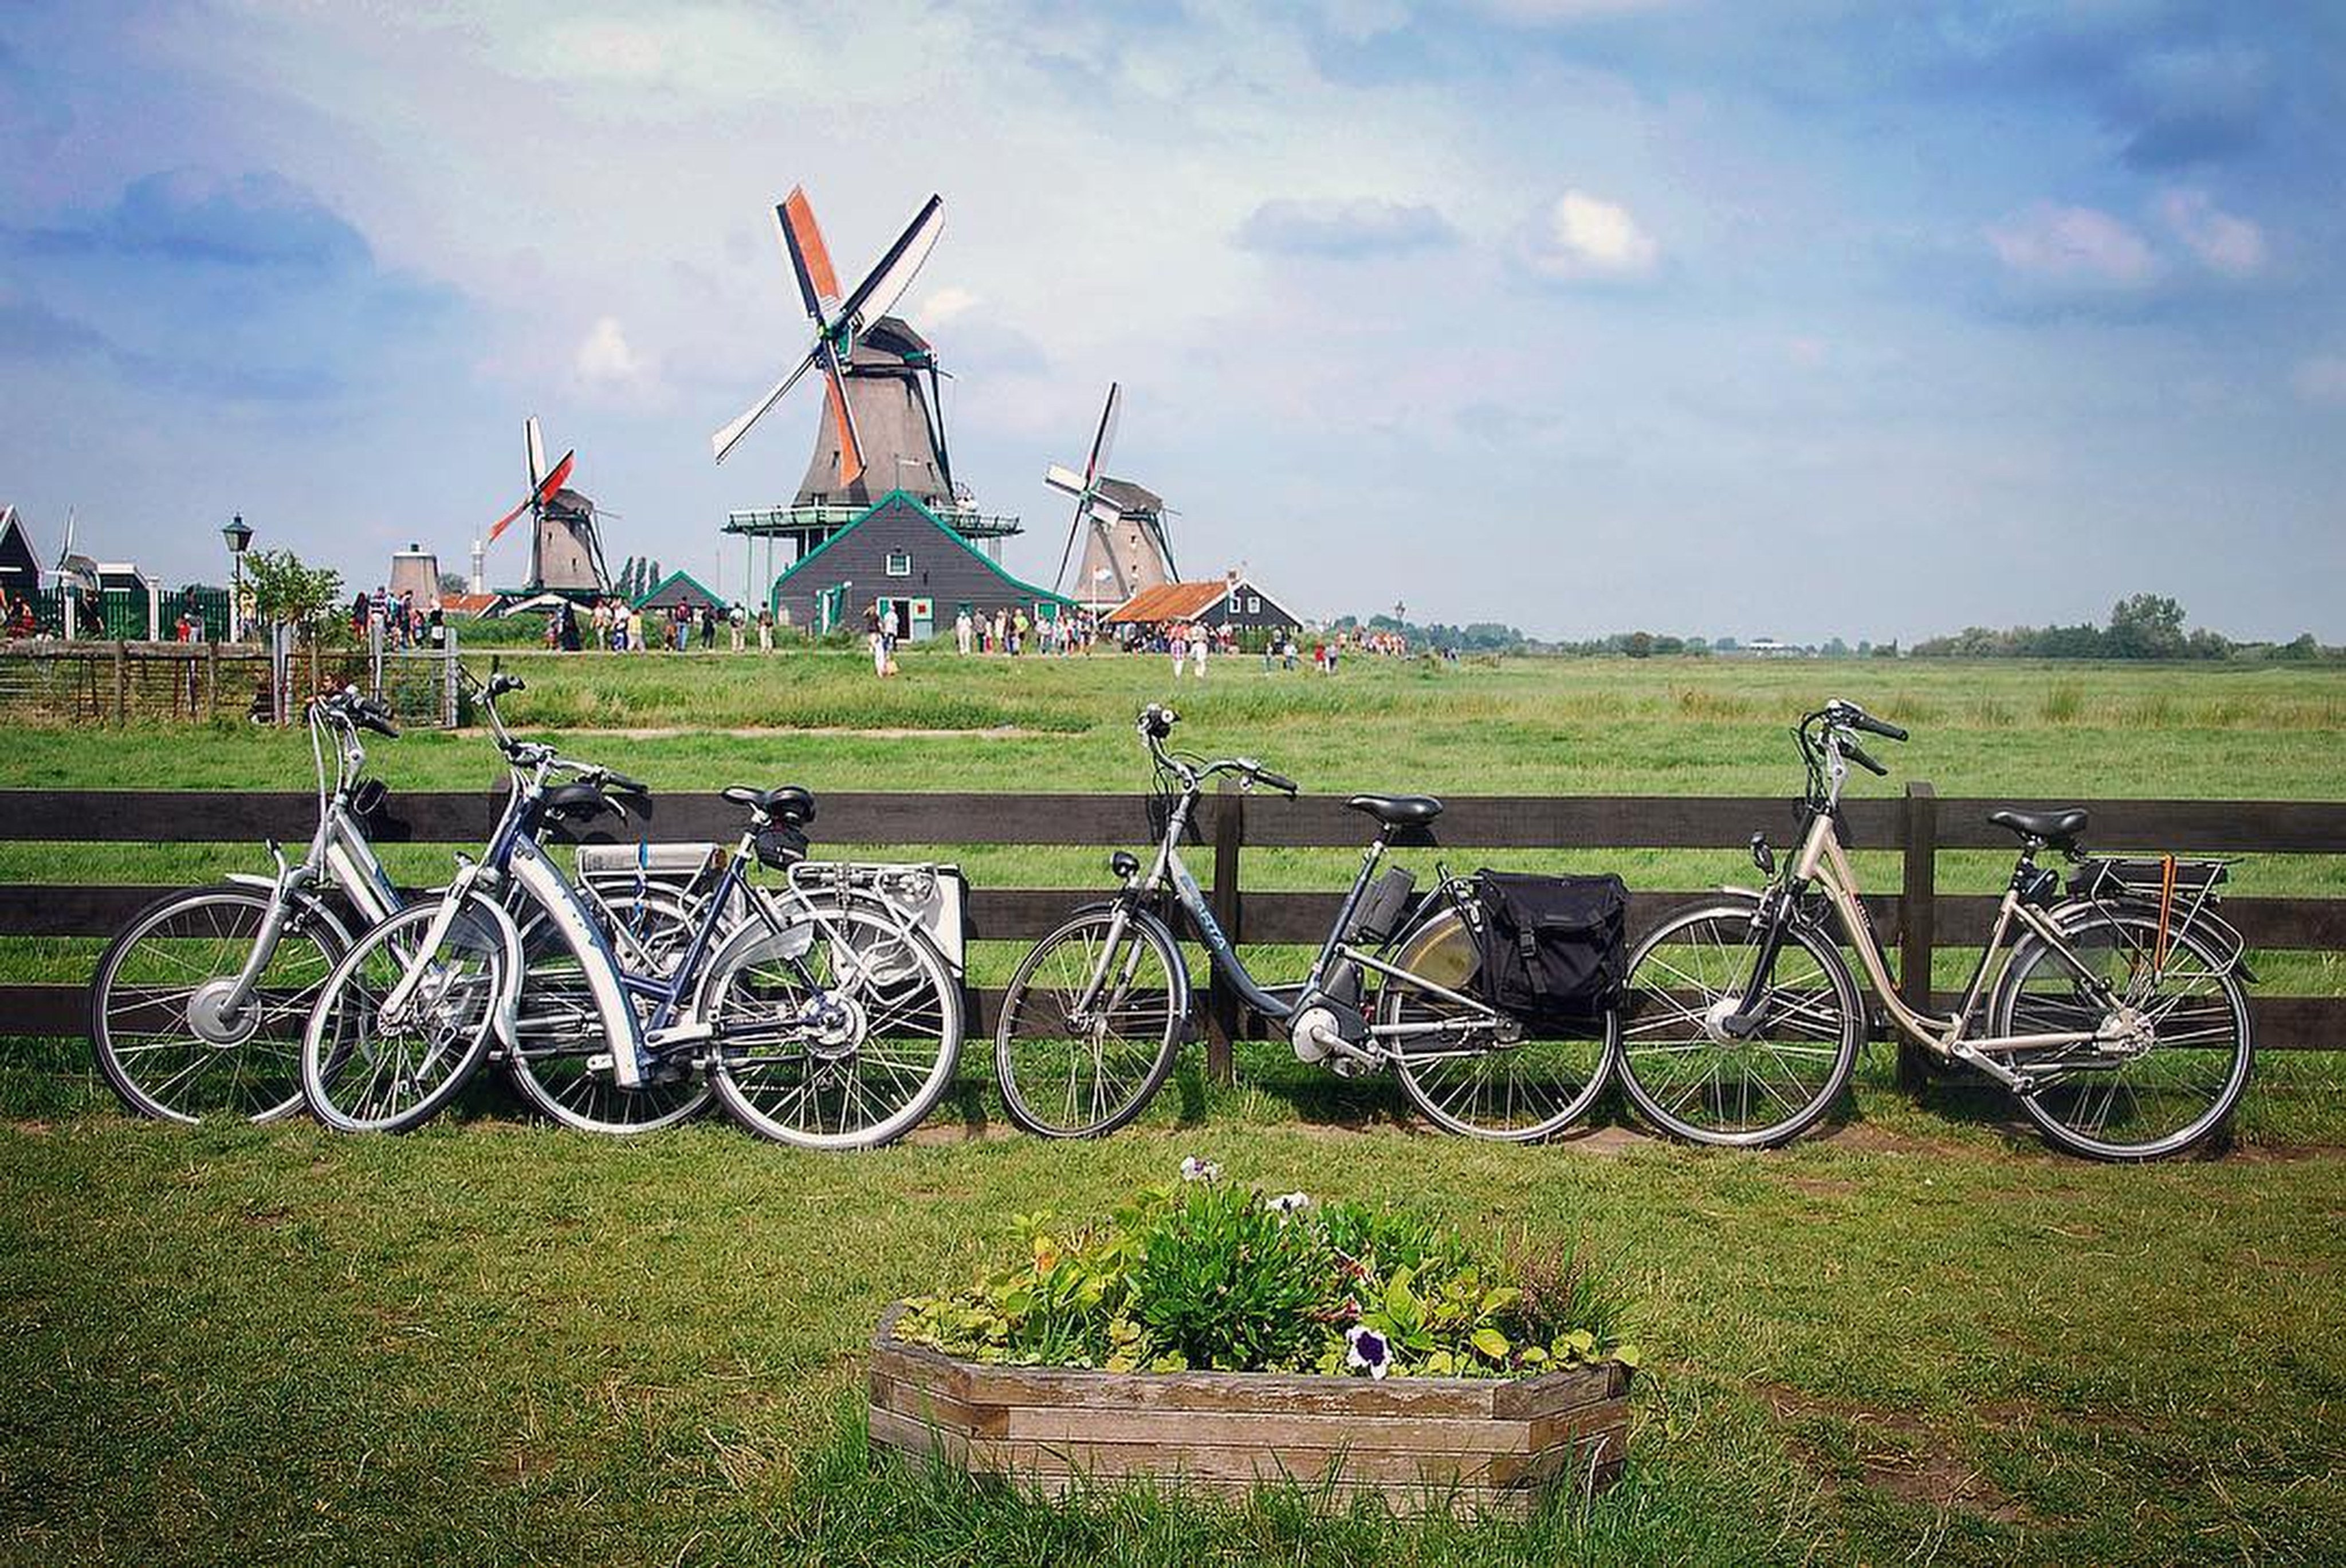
[
  {"x": 1581, "y": 236},
  {"x": 605, "y": 361},
  {"x": 942, "y": 306},
  {"x": 2322, "y": 379},
  {"x": 2223, "y": 242},
  {"x": 2074, "y": 246}
]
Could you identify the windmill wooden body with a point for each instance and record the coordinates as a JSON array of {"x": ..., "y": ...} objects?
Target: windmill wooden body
[{"x": 1121, "y": 524}]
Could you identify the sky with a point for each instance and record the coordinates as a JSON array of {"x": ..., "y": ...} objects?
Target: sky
[{"x": 1803, "y": 319}]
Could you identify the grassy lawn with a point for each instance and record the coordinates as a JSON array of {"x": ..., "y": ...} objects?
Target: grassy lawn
[{"x": 1917, "y": 1336}]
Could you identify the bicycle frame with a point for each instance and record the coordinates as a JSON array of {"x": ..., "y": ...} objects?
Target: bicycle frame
[
  {"x": 1168, "y": 872},
  {"x": 1824, "y": 864}
]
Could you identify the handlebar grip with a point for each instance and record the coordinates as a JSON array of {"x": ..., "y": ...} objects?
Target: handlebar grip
[
  {"x": 1279, "y": 781},
  {"x": 1880, "y": 727},
  {"x": 620, "y": 781},
  {"x": 502, "y": 682},
  {"x": 380, "y": 724},
  {"x": 1857, "y": 753}
]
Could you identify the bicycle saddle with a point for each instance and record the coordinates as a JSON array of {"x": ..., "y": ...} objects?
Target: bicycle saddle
[
  {"x": 566, "y": 801},
  {"x": 784, "y": 802},
  {"x": 2057, "y": 829},
  {"x": 1398, "y": 810}
]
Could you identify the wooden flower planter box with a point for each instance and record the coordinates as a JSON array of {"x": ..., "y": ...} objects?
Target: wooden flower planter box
[{"x": 1475, "y": 1444}]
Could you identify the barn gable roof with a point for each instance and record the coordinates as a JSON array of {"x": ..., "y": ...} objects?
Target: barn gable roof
[
  {"x": 690, "y": 589},
  {"x": 1184, "y": 601},
  {"x": 913, "y": 502}
]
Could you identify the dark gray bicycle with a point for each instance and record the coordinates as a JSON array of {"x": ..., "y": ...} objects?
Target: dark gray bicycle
[{"x": 1094, "y": 1016}]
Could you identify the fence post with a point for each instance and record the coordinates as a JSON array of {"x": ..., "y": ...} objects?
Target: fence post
[
  {"x": 1918, "y": 912},
  {"x": 1221, "y": 999},
  {"x": 212, "y": 680},
  {"x": 448, "y": 708},
  {"x": 121, "y": 682}
]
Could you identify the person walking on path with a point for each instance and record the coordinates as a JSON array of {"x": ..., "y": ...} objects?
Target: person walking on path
[
  {"x": 878, "y": 638},
  {"x": 1199, "y": 641},
  {"x": 735, "y": 622},
  {"x": 765, "y": 630},
  {"x": 962, "y": 631},
  {"x": 1181, "y": 651}
]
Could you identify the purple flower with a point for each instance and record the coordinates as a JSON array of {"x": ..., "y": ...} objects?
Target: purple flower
[
  {"x": 1194, "y": 1169},
  {"x": 1368, "y": 1351}
]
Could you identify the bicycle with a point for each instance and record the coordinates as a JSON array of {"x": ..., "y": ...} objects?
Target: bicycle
[
  {"x": 222, "y": 976},
  {"x": 824, "y": 1016},
  {"x": 2117, "y": 1017},
  {"x": 1095, "y": 1014}
]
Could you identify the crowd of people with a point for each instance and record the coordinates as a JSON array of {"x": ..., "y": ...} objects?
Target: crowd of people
[{"x": 406, "y": 624}]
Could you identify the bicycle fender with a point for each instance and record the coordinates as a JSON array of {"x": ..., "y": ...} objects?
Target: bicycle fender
[
  {"x": 311, "y": 905},
  {"x": 508, "y": 1019}
]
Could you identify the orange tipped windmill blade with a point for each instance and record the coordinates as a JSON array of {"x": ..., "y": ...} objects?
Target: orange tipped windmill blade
[{"x": 838, "y": 321}]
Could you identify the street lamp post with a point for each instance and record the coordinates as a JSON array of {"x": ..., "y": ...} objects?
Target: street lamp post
[{"x": 239, "y": 538}]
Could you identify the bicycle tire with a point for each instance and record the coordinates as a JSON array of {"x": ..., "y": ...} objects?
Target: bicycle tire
[
  {"x": 1517, "y": 1105},
  {"x": 159, "y": 1075},
  {"x": 2222, "y": 1021},
  {"x": 1672, "y": 1060},
  {"x": 1025, "y": 1065},
  {"x": 552, "y": 1064},
  {"x": 344, "y": 1028},
  {"x": 886, "y": 976}
]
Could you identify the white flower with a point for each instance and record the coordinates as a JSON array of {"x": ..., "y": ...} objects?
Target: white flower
[
  {"x": 1368, "y": 1351},
  {"x": 1194, "y": 1169},
  {"x": 1290, "y": 1202}
]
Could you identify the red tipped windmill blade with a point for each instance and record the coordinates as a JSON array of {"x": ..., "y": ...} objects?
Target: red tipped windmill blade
[
  {"x": 542, "y": 484},
  {"x": 837, "y": 322}
]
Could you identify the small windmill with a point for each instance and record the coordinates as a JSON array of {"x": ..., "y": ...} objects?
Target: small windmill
[
  {"x": 886, "y": 434},
  {"x": 1123, "y": 526},
  {"x": 565, "y": 553}
]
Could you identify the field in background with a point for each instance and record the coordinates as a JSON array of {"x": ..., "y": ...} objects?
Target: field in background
[{"x": 1921, "y": 1335}]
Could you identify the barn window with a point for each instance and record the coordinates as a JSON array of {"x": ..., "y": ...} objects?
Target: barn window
[
  {"x": 900, "y": 564},
  {"x": 1254, "y": 604}
]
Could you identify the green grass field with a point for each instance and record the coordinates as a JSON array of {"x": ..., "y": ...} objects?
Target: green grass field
[{"x": 1918, "y": 1337}]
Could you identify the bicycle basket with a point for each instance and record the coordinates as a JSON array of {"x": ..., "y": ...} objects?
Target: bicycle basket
[{"x": 1552, "y": 947}]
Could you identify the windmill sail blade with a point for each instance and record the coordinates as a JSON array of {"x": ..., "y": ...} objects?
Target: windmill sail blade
[
  {"x": 537, "y": 443},
  {"x": 809, "y": 257},
  {"x": 558, "y": 478},
  {"x": 1074, "y": 528},
  {"x": 500, "y": 525},
  {"x": 724, "y": 440},
  {"x": 843, "y": 419},
  {"x": 1106, "y": 439},
  {"x": 1066, "y": 478},
  {"x": 878, "y": 293}
]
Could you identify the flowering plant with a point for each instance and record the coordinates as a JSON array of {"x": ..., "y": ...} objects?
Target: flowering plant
[{"x": 1209, "y": 1273}]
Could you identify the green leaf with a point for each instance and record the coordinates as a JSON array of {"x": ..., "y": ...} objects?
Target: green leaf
[
  {"x": 1401, "y": 1304},
  {"x": 1499, "y": 1300},
  {"x": 1626, "y": 1354},
  {"x": 1492, "y": 1343}
]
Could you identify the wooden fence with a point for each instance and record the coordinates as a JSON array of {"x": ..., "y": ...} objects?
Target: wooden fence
[
  {"x": 1914, "y": 919},
  {"x": 83, "y": 683}
]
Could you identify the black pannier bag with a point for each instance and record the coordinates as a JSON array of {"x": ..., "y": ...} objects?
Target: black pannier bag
[{"x": 1552, "y": 947}]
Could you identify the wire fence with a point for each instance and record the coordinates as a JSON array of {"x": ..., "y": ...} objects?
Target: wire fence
[{"x": 126, "y": 682}]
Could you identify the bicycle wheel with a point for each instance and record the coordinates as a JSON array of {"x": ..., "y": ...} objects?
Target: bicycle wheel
[
  {"x": 1460, "y": 1079},
  {"x": 158, "y": 1022},
  {"x": 1690, "y": 1076},
  {"x": 838, "y": 1032},
  {"x": 561, "y": 1057},
  {"x": 1067, "y": 1074},
  {"x": 362, "y": 1073},
  {"x": 2158, "y": 1094}
]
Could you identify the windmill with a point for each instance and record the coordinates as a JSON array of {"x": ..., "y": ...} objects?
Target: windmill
[
  {"x": 566, "y": 553},
  {"x": 1123, "y": 526},
  {"x": 883, "y": 426}
]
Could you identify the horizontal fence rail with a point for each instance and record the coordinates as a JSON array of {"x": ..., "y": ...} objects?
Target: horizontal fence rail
[{"x": 1916, "y": 919}]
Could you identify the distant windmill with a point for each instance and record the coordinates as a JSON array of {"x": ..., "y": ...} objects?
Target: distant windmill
[
  {"x": 566, "y": 553},
  {"x": 1121, "y": 524},
  {"x": 74, "y": 570},
  {"x": 882, "y": 429}
]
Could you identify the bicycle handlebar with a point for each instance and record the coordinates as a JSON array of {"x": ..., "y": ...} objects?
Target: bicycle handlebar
[
  {"x": 1858, "y": 754},
  {"x": 1279, "y": 781}
]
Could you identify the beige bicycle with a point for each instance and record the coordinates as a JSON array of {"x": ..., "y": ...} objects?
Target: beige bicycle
[{"x": 2115, "y": 1016}]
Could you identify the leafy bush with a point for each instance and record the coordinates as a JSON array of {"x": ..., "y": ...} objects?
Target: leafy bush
[{"x": 1211, "y": 1275}]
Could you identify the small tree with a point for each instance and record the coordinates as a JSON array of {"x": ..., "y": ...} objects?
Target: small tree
[
  {"x": 2147, "y": 626},
  {"x": 285, "y": 592}
]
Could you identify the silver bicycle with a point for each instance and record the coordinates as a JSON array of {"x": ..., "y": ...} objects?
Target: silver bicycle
[{"x": 197, "y": 1007}]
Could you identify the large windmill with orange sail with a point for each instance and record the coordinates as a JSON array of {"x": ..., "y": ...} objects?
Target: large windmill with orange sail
[{"x": 882, "y": 427}]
